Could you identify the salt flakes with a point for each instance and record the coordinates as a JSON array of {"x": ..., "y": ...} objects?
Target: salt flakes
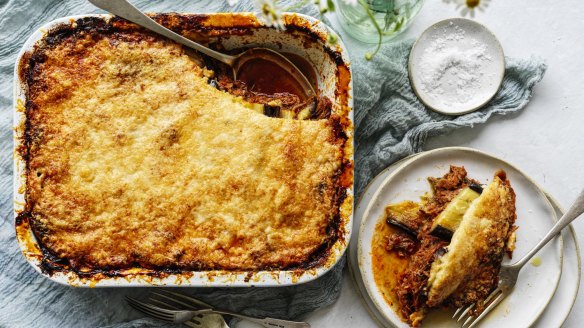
[{"x": 454, "y": 66}]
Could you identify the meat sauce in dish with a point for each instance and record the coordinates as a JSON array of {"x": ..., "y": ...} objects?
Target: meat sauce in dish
[{"x": 271, "y": 89}]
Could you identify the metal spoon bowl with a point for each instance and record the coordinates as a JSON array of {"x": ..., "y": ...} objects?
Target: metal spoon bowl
[{"x": 127, "y": 11}]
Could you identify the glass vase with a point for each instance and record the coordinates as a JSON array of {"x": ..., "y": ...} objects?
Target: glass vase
[{"x": 363, "y": 19}]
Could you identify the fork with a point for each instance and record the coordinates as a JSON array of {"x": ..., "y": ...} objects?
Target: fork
[
  {"x": 199, "y": 321},
  {"x": 182, "y": 316},
  {"x": 509, "y": 273}
]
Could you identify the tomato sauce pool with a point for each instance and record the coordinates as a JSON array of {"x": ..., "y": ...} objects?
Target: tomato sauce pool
[{"x": 266, "y": 77}]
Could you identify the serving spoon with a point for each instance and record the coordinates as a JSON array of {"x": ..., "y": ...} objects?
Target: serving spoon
[{"x": 127, "y": 11}]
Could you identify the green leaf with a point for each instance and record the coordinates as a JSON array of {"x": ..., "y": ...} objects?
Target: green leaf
[{"x": 331, "y": 5}]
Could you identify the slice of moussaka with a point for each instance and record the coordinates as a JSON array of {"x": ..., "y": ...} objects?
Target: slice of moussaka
[
  {"x": 135, "y": 159},
  {"x": 464, "y": 230},
  {"x": 479, "y": 242}
]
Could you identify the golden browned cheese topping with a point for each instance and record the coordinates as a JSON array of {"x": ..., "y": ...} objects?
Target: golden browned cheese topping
[{"x": 135, "y": 160}]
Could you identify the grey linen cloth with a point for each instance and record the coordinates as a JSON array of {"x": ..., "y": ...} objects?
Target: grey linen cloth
[{"x": 390, "y": 124}]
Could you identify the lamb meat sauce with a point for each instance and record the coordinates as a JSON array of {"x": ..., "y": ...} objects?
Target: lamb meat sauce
[
  {"x": 268, "y": 78},
  {"x": 262, "y": 82},
  {"x": 401, "y": 242},
  {"x": 404, "y": 287}
]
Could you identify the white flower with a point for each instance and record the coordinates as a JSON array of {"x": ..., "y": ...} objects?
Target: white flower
[
  {"x": 469, "y": 7},
  {"x": 270, "y": 14}
]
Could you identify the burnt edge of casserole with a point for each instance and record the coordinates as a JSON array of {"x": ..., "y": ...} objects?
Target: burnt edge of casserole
[{"x": 200, "y": 27}]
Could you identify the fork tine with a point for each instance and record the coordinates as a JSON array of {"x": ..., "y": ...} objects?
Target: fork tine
[
  {"x": 190, "y": 299},
  {"x": 457, "y": 310},
  {"x": 465, "y": 312},
  {"x": 466, "y": 321},
  {"x": 150, "y": 314},
  {"x": 193, "y": 323},
  {"x": 492, "y": 294},
  {"x": 174, "y": 300},
  {"x": 154, "y": 300},
  {"x": 486, "y": 311},
  {"x": 466, "y": 316},
  {"x": 140, "y": 307},
  {"x": 154, "y": 307},
  {"x": 147, "y": 313},
  {"x": 172, "y": 306}
]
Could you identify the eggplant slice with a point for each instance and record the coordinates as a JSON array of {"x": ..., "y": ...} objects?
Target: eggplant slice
[
  {"x": 404, "y": 215},
  {"x": 449, "y": 219}
]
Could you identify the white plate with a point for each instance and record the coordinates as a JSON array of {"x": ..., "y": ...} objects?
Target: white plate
[
  {"x": 441, "y": 39},
  {"x": 536, "y": 285},
  {"x": 556, "y": 312}
]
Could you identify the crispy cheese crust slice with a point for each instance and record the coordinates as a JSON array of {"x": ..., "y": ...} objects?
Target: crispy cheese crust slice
[{"x": 483, "y": 231}]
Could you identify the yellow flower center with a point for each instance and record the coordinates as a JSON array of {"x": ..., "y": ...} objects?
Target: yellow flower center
[{"x": 473, "y": 3}]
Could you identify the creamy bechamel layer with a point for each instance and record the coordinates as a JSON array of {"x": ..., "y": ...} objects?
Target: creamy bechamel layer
[{"x": 134, "y": 160}]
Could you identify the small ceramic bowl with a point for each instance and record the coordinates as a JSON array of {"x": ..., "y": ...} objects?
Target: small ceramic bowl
[{"x": 456, "y": 66}]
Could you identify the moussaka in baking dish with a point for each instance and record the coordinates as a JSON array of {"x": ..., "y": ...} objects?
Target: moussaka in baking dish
[
  {"x": 448, "y": 248},
  {"x": 135, "y": 158}
]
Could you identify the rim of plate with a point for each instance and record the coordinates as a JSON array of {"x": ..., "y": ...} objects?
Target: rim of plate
[
  {"x": 501, "y": 68},
  {"x": 407, "y": 161},
  {"x": 354, "y": 272},
  {"x": 555, "y": 203}
]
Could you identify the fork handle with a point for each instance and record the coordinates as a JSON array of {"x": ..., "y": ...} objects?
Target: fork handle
[
  {"x": 571, "y": 214},
  {"x": 267, "y": 322}
]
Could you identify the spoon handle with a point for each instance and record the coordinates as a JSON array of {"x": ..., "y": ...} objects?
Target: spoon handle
[
  {"x": 571, "y": 214},
  {"x": 126, "y": 10}
]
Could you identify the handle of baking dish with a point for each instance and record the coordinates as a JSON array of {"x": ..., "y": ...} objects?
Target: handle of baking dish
[
  {"x": 126, "y": 10},
  {"x": 268, "y": 322}
]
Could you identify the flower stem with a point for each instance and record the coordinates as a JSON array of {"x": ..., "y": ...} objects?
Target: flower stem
[{"x": 369, "y": 55}]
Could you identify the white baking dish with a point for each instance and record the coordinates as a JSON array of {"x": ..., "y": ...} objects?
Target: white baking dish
[{"x": 306, "y": 37}]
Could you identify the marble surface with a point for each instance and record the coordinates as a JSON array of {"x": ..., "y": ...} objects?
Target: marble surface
[{"x": 545, "y": 139}]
